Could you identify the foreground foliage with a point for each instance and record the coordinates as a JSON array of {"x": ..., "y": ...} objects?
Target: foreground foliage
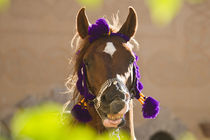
[{"x": 46, "y": 122}]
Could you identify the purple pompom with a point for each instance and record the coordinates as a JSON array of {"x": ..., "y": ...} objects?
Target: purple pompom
[
  {"x": 101, "y": 29},
  {"x": 81, "y": 114},
  {"x": 97, "y": 30},
  {"x": 150, "y": 108}
]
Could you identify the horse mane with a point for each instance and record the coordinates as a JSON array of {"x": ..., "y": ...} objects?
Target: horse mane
[{"x": 80, "y": 46}]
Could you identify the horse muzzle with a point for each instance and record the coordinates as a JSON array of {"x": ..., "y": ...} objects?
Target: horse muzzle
[{"x": 113, "y": 103}]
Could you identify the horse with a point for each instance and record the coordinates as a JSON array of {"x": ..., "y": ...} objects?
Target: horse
[{"x": 106, "y": 76}]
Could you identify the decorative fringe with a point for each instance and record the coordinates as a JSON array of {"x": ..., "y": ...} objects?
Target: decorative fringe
[
  {"x": 150, "y": 107},
  {"x": 80, "y": 112}
]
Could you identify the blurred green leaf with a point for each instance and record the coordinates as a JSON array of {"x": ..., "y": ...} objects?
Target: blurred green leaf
[
  {"x": 2, "y": 138},
  {"x": 39, "y": 123},
  {"x": 163, "y": 11},
  {"x": 91, "y": 4},
  {"x": 4, "y": 4},
  {"x": 45, "y": 122},
  {"x": 82, "y": 133}
]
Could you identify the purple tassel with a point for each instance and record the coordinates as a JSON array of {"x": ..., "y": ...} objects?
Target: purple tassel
[
  {"x": 139, "y": 85},
  {"x": 81, "y": 114},
  {"x": 80, "y": 111},
  {"x": 150, "y": 108},
  {"x": 81, "y": 83}
]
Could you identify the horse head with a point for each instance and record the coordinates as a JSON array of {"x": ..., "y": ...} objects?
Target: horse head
[{"x": 108, "y": 75}]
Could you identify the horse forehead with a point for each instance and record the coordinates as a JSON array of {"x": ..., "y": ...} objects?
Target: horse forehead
[{"x": 110, "y": 48}]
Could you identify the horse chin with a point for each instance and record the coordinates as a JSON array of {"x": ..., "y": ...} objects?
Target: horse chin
[
  {"x": 112, "y": 123},
  {"x": 115, "y": 120}
]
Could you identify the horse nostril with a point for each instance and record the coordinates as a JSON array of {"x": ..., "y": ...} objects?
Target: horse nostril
[{"x": 116, "y": 106}]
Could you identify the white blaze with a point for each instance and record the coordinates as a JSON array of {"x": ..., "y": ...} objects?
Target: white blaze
[
  {"x": 110, "y": 48},
  {"x": 124, "y": 77}
]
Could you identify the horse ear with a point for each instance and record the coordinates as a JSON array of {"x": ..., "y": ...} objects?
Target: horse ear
[
  {"x": 82, "y": 23},
  {"x": 130, "y": 25}
]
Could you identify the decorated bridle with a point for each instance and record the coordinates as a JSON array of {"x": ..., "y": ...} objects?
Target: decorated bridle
[{"x": 150, "y": 106}]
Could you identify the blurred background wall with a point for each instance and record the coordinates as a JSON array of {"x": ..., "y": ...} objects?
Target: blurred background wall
[{"x": 35, "y": 49}]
